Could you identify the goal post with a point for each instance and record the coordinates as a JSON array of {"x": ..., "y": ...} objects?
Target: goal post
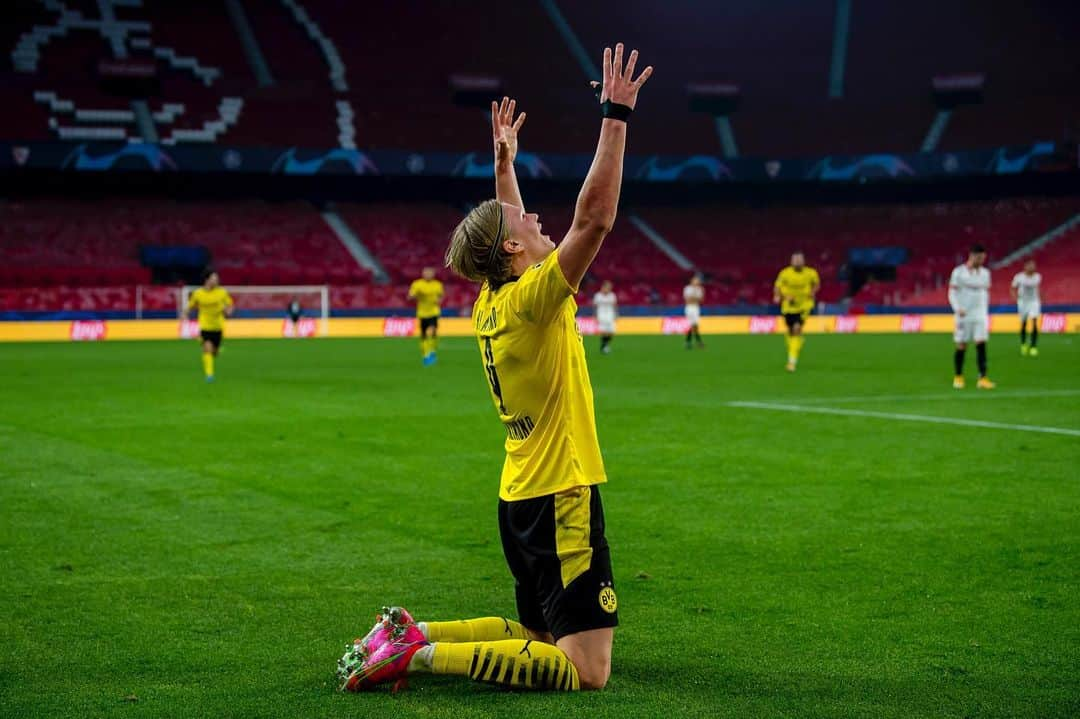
[{"x": 273, "y": 301}]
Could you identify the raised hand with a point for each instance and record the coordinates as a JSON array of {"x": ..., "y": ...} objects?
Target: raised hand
[
  {"x": 504, "y": 130},
  {"x": 618, "y": 85}
]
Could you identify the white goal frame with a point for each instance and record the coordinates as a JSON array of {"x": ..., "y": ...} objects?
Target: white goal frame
[{"x": 322, "y": 290}]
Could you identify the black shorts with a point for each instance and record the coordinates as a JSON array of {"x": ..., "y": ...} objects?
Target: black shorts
[
  {"x": 432, "y": 322},
  {"x": 795, "y": 318},
  {"x": 560, "y": 560},
  {"x": 211, "y": 336}
]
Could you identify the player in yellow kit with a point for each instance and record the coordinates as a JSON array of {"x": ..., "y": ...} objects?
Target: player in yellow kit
[
  {"x": 428, "y": 293},
  {"x": 214, "y": 304},
  {"x": 795, "y": 289},
  {"x": 550, "y": 515}
]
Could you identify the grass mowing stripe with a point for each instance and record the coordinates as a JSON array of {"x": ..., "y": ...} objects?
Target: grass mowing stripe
[{"x": 905, "y": 417}]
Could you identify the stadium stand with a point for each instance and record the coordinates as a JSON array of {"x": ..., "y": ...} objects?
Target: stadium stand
[
  {"x": 86, "y": 256},
  {"x": 741, "y": 249},
  {"x": 82, "y": 254},
  {"x": 325, "y": 86},
  {"x": 321, "y": 52},
  {"x": 1059, "y": 263},
  {"x": 1030, "y": 89}
]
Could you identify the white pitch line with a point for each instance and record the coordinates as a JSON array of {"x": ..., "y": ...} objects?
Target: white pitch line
[
  {"x": 954, "y": 395},
  {"x": 905, "y": 417}
]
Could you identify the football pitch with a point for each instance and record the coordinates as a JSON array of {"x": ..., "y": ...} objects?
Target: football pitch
[{"x": 857, "y": 539}]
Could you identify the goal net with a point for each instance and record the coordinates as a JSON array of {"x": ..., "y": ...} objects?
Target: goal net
[{"x": 274, "y": 301}]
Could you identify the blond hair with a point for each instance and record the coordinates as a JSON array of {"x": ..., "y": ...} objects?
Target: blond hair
[{"x": 476, "y": 245}]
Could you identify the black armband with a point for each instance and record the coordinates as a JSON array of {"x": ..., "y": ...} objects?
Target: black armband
[{"x": 615, "y": 111}]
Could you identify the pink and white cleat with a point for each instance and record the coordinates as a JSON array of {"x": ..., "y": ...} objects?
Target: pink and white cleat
[
  {"x": 383, "y": 654},
  {"x": 392, "y": 623}
]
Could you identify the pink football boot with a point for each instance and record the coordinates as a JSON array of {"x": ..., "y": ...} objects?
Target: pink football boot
[{"x": 383, "y": 654}]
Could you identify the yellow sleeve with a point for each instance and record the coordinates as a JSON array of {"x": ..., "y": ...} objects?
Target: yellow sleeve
[
  {"x": 438, "y": 291},
  {"x": 412, "y": 288},
  {"x": 779, "y": 280},
  {"x": 817, "y": 279},
  {"x": 540, "y": 292},
  {"x": 228, "y": 299},
  {"x": 192, "y": 303}
]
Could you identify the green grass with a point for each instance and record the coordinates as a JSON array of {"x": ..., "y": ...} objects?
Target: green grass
[{"x": 210, "y": 549}]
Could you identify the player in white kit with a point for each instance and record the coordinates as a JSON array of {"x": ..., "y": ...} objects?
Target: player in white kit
[
  {"x": 693, "y": 295},
  {"x": 607, "y": 309},
  {"x": 1025, "y": 290},
  {"x": 969, "y": 295}
]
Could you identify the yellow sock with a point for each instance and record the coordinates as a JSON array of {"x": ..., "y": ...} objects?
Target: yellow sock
[
  {"x": 484, "y": 629},
  {"x": 796, "y": 345},
  {"x": 208, "y": 364},
  {"x": 510, "y": 662},
  {"x": 789, "y": 342},
  {"x": 434, "y": 343}
]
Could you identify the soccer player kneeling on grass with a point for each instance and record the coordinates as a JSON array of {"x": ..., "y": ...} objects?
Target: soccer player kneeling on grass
[
  {"x": 969, "y": 295},
  {"x": 795, "y": 289},
  {"x": 214, "y": 304},
  {"x": 550, "y": 516}
]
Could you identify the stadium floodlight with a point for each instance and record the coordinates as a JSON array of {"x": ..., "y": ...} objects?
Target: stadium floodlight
[{"x": 273, "y": 300}]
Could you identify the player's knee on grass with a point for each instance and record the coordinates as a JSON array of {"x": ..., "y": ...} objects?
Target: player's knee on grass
[
  {"x": 593, "y": 671},
  {"x": 590, "y": 651}
]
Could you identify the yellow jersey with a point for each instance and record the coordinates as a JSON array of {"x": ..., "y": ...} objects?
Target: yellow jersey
[
  {"x": 211, "y": 305},
  {"x": 535, "y": 365},
  {"x": 428, "y": 294},
  {"x": 797, "y": 289}
]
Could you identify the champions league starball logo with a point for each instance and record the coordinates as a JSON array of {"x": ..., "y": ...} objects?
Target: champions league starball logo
[
  {"x": 867, "y": 167},
  {"x": 696, "y": 167},
  {"x": 528, "y": 163},
  {"x": 128, "y": 157},
  {"x": 339, "y": 161},
  {"x": 232, "y": 160}
]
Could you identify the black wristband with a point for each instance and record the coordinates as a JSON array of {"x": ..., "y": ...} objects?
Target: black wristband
[{"x": 615, "y": 111}]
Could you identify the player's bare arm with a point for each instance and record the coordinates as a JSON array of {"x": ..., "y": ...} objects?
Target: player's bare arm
[
  {"x": 597, "y": 204},
  {"x": 504, "y": 132}
]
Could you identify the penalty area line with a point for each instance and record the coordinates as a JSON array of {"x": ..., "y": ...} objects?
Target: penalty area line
[{"x": 807, "y": 409}]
